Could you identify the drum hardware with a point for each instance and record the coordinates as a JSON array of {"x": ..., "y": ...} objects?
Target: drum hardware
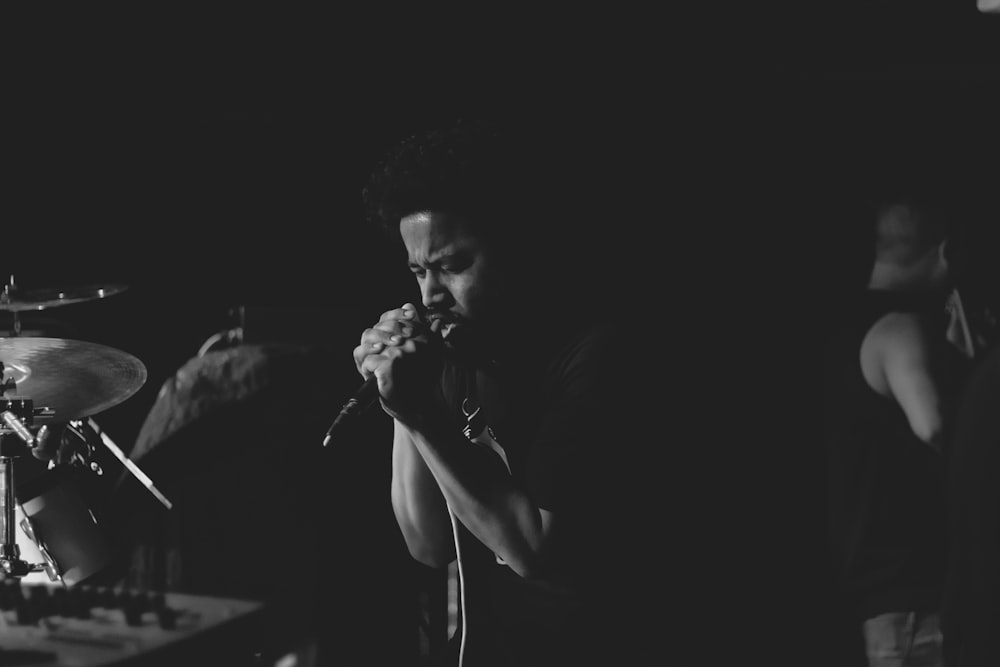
[
  {"x": 73, "y": 379},
  {"x": 50, "y": 566},
  {"x": 15, "y": 440},
  {"x": 78, "y": 445},
  {"x": 84, "y": 455}
]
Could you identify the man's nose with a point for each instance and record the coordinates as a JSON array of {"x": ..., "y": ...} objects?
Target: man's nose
[{"x": 432, "y": 291}]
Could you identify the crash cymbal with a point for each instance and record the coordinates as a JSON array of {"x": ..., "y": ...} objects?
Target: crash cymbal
[
  {"x": 15, "y": 298},
  {"x": 73, "y": 378}
]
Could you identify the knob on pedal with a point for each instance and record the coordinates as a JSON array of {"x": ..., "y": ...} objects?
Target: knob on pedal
[{"x": 43, "y": 617}]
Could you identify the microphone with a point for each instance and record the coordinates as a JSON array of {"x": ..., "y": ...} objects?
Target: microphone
[{"x": 365, "y": 397}]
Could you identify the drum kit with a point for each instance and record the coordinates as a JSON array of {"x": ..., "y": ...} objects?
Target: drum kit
[{"x": 55, "y": 385}]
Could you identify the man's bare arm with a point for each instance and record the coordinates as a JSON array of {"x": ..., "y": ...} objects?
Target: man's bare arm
[
  {"x": 911, "y": 371},
  {"x": 419, "y": 506}
]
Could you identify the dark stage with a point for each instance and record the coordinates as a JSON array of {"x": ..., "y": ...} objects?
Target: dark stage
[{"x": 214, "y": 176}]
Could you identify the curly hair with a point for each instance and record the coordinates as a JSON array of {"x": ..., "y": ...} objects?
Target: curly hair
[{"x": 478, "y": 168}]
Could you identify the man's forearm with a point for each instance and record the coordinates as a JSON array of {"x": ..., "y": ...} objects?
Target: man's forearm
[
  {"x": 418, "y": 504},
  {"x": 482, "y": 495}
]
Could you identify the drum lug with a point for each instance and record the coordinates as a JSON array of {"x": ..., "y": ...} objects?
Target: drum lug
[{"x": 50, "y": 566}]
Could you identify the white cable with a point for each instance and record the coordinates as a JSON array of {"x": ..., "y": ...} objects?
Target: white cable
[
  {"x": 490, "y": 442},
  {"x": 461, "y": 588}
]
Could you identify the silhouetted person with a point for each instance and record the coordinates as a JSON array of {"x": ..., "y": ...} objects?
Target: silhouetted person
[{"x": 891, "y": 380}]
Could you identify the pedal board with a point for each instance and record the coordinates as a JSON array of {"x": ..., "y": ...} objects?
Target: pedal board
[{"x": 88, "y": 626}]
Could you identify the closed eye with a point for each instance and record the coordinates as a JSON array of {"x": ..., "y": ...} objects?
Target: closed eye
[{"x": 456, "y": 265}]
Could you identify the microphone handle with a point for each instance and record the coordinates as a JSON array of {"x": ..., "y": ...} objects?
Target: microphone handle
[
  {"x": 363, "y": 399},
  {"x": 354, "y": 407}
]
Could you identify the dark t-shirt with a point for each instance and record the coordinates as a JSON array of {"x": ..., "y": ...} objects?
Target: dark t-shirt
[
  {"x": 886, "y": 496},
  {"x": 553, "y": 416},
  {"x": 971, "y": 614}
]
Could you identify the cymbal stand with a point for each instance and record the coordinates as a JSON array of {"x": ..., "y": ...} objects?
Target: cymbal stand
[
  {"x": 84, "y": 454},
  {"x": 15, "y": 440},
  {"x": 5, "y": 298}
]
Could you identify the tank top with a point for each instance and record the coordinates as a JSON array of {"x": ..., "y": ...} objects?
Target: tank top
[{"x": 886, "y": 487}]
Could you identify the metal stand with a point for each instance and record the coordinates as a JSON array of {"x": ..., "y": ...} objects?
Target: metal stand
[
  {"x": 84, "y": 455},
  {"x": 15, "y": 441},
  {"x": 8, "y": 290}
]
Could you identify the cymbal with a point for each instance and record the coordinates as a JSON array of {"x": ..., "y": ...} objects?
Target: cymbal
[
  {"x": 20, "y": 299},
  {"x": 73, "y": 378}
]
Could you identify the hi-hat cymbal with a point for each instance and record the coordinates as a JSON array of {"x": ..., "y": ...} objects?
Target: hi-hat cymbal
[
  {"x": 73, "y": 378},
  {"x": 19, "y": 299}
]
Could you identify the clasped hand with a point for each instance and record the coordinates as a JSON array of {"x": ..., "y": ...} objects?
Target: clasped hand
[{"x": 405, "y": 354}]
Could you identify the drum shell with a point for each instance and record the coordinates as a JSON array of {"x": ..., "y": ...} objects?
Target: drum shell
[{"x": 65, "y": 525}]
